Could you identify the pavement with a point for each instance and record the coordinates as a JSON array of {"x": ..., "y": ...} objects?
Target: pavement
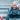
[{"x": 14, "y": 18}]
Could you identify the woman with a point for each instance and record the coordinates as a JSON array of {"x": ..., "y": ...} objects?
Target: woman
[{"x": 13, "y": 11}]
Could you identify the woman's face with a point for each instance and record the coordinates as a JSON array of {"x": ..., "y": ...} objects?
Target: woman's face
[{"x": 14, "y": 5}]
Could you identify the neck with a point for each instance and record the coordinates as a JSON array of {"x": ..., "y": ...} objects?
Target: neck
[{"x": 14, "y": 8}]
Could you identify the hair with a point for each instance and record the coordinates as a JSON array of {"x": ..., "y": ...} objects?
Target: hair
[{"x": 13, "y": 3}]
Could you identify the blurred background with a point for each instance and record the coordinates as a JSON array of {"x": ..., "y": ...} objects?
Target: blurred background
[{"x": 5, "y": 6}]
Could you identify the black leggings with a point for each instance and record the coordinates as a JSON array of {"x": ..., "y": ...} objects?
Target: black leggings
[
  {"x": 17, "y": 16},
  {"x": 12, "y": 16}
]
